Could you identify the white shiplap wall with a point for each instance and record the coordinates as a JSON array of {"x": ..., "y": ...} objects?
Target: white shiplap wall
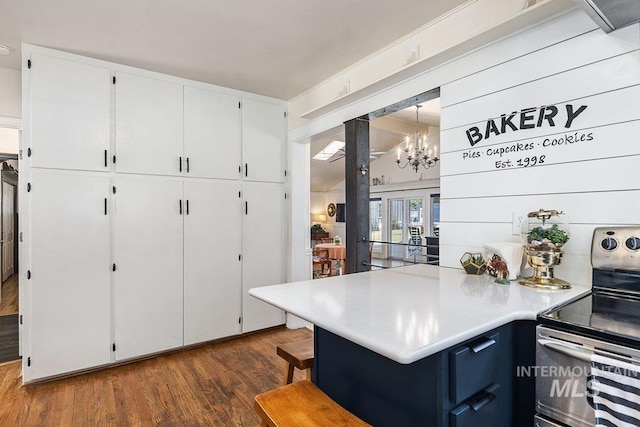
[{"x": 594, "y": 181}]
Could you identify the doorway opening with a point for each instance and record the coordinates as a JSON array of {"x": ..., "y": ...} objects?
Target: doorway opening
[
  {"x": 9, "y": 289},
  {"x": 403, "y": 201}
]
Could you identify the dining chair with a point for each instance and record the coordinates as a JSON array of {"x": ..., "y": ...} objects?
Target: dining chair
[{"x": 320, "y": 261}]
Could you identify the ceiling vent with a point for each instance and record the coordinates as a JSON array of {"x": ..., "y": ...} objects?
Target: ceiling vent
[{"x": 611, "y": 14}]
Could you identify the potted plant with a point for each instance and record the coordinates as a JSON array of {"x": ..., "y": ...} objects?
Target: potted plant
[
  {"x": 473, "y": 263},
  {"x": 547, "y": 238},
  {"x": 317, "y": 229}
]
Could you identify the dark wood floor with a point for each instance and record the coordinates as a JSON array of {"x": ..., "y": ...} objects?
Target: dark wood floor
[
  {"x": 9, "y": 338},
  {"x": 9, "y": 320},
  {"x": 211, "y": 385}
]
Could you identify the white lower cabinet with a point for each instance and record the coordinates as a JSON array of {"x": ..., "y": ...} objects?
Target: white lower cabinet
[
  {"x": 149, "y": 265},
  {"x": 264, "y": 251},
  {"x": 212, "y": 265},
  {"x": 69, "y": 286}
]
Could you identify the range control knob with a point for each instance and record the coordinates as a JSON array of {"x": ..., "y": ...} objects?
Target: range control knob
[
  {"x": 633, "y": 243},
  {"x": 609, "y": 244}
]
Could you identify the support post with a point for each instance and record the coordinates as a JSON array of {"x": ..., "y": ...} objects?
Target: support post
[{"x": 357, "y": 193}]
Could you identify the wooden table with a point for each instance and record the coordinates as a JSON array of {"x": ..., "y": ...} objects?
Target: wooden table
[{"x": 338, "y": 252}]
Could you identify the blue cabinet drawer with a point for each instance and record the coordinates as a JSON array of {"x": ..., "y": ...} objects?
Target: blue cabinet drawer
[
  {"x": 480, "y": 410},
  {"x": 473, "y": 366}
]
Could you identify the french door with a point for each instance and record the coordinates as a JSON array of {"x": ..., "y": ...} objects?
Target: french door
[{"x": 406, "y": 219}]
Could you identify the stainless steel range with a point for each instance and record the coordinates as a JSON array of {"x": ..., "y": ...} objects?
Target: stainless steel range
[{"x": 602, "y": 324}]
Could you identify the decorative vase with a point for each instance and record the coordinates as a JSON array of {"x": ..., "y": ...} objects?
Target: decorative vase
[{"x": 473, "y": 263}]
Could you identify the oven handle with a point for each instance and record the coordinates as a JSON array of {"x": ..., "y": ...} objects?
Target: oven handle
[
  {"x": 576, "y": 351},
  {"x": 567, "y": 349}
]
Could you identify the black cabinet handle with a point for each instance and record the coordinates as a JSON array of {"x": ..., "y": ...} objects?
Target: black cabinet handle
[
  {"x": 180, "y": 206},
  {"x": 246, "y": 169},
  {"x": 180, "y": 163},
  {"x": 482, "y": 399},
  {"x": 105, "y": 206},
  {"x": 187, "y": 165},
  {"x": 246, "y": 208},
  {"x": 481, "y": 344},
  {"x": 105, "y": 159},
  {"x": 187, "y": 206}
]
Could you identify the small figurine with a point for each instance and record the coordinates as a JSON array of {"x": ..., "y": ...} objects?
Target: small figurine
[{"x": 498, "y": 267}]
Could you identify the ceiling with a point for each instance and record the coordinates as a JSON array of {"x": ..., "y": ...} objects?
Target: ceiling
[
  {"x": 385, "y": 134},
  {"x": 277, "y": 48}
]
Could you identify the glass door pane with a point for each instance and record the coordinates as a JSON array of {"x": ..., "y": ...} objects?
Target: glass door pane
[
  {"x": 375, "y": 223},
  {"x": 415, "y": 231},
  {"x": 396, "y": 227},
  {"x": 435, "y": 215}
]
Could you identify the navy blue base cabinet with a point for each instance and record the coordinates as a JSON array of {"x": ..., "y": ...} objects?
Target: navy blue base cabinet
[{"x": 473, "y": 383}]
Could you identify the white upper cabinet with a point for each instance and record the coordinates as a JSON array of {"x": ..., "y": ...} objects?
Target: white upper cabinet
[
  {"x": 70, "y": 123},
  {"x": 212, "y": 134},
  {"x": 264, "y": 251},
  {"x": 149, "y": 259},
  {"x": 149, "y": 125},
  {"x": 69, "y": 288},
  {"x": 212, "y": 268},
  {"x": 264, "y": 135}
]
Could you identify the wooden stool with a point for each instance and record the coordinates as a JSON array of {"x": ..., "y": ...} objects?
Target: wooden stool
[
  {"x": 297, "y": 354},
  {"x": 302, "y": 404}
]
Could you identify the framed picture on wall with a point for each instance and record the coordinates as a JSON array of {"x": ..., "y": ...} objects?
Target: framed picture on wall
[{"x": 340, "y": 212}]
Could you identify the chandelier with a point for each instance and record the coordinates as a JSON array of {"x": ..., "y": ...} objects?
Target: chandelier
[{"x": 417, "y": 152}]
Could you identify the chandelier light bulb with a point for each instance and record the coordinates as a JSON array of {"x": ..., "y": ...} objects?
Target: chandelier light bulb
[{"x": 418, "y": 153}]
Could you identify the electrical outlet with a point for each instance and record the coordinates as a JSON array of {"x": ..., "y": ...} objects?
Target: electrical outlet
[{"x": 516, "y": 223}]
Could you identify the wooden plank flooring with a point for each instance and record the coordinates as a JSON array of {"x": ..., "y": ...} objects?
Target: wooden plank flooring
[
  {"x": 211, "y": 385},
  {"x": 9, "y": 303},
  {"x": 9, "y": 338}
]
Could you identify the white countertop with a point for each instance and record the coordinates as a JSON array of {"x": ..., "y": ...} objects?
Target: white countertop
[{"x": 409, "y": 313}]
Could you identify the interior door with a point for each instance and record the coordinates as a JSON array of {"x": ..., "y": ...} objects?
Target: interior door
[
  {"x": 69, "y": 285},
  {"x": 264, "y": 251},
  {"x": 212, "y": 134},
  {"x": 149, "y": 125},
  {"x": 212, "y": 265},
  {"x": 8, "y": 227},
  {"x": 264, "y": 134},
  {"x": 70, "y": 114},
  {"x": 149, "y": 257}
]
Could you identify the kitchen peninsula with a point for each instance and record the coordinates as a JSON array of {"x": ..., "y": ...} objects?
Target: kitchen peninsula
[{"x": 421, "y": 345}]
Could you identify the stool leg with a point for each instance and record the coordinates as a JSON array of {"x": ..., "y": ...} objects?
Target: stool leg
[{"x": 288, "y": 374}]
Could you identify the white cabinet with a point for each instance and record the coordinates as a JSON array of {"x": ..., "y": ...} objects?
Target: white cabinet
[
  {"x": 212, "y": 268},
  {"x": 149, "y": 125},
  {"x": 69, "y": 119},
  {"x": 264, "y": 135},
  {"x": 148, "y": 256},
  {"x": 212, "y": 129},
  {"x": 69, "y": 289},
  {"x": 159, "y": 250},
  {"x": 264, "y": 251}
]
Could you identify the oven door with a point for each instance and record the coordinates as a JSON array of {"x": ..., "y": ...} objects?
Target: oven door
[
  {"x": 562, "y": 368},
  {"x": 563, "y": 364}
]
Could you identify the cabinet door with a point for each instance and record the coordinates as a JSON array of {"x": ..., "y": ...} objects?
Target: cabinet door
[
  {"x": 212, "y": 130},
  {"x": 264, "y": 251},
  {"x": 148, "y": 125},
  {"x": 212, "y": 269},
  {"x": 70, "y": 291},
  {"x": 70, "y": 114},
  {"x": 148, "y": 277},
  {"x": 264, "y": 135}
]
